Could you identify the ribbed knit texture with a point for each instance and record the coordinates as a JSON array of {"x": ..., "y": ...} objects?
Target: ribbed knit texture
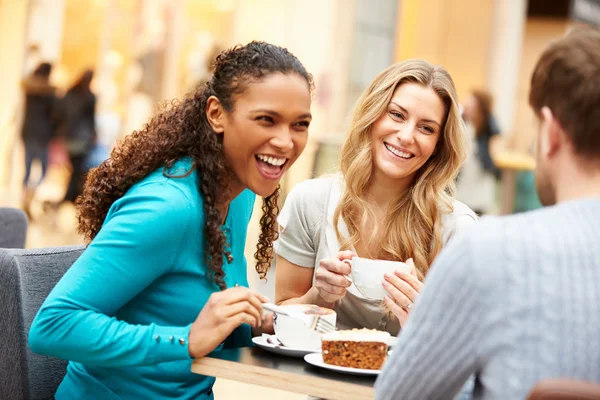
[{"x": 514, "y": 301}]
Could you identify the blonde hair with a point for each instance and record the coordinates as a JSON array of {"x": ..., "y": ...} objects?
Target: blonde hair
[{"x": 413, "y": 227}]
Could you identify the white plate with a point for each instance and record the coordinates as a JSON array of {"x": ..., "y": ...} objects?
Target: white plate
[
  {"x": 261, "y": 341},
  {"x": 391, "y": 341},
  {"x": 317, "y": 360}
]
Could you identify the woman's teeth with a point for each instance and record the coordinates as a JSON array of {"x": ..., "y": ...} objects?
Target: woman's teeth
[
  {"x": 398, "y": 152},
  {"x": 278, "y": 162}
]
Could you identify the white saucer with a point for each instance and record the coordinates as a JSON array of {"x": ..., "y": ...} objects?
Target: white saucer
[
  {"x": 263, "y": 343},
  {"x": 317, "y": 360}
]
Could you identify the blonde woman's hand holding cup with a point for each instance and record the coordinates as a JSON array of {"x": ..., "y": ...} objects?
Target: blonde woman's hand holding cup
[
  {"x": 403, "y": 289},
  {"x": 330, "y": 280}
]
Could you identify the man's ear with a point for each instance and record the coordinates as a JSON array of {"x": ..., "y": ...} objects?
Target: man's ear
[
  {"x": 215, "y": 114},
  {"x": 551, "y": 134}
]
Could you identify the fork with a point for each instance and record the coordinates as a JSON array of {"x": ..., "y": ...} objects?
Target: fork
[
  {"x": 274, "y": 308},
  {"x": 318, "y": 324},
  {"x": 321, "y": 325}
]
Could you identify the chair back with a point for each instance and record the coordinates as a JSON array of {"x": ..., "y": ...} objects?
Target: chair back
[
  {"x": 13, "y": 228},
  {"x": 26, "y": 279}
]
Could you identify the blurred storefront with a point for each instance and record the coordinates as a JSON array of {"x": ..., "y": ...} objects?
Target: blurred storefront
[{"x": 147, "y": 51}]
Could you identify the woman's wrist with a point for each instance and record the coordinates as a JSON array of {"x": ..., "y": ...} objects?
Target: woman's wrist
[
  {"x": 315, "y": 298},
  {"x": 310, "y": 297}
]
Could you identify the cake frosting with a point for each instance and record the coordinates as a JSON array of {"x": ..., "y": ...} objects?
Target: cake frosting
[{"x": 357, "y": 335}]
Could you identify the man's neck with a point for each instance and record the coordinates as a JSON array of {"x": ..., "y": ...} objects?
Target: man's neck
[{"x": 578, "y": 182}]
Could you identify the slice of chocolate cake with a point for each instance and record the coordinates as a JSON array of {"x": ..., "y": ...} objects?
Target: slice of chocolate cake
[{"x": 356, "y": 348}]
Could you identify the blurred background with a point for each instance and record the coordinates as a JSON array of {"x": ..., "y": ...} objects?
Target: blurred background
[{"x": 142, "y": 52}]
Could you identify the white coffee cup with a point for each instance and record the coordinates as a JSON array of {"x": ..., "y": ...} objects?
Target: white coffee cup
[
  {"x": 294, "y": 330},
  {"x": 367, "y": 275}
]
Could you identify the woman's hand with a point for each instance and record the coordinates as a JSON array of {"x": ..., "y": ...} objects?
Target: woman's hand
[
  {"x": 330, "y": 281},
  {"x": 224, "y": 311},
  {"x": 403, "y": 288},
  {"x": 265, "y": 327}
]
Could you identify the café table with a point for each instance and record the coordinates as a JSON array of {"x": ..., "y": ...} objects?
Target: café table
[
  {"x": 510, "y": 162},
  {"x": 256, "y": 366}
]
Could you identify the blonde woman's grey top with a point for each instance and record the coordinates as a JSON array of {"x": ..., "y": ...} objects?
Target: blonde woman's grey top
[
  {"x": 308, "y": 235},
  {"x": 514, "y": 301}
]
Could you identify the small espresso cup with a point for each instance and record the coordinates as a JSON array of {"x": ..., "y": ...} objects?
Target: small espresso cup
[{"x": 367, "y": 275}]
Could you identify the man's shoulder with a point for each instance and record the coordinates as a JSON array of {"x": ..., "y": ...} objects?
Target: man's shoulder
[
  {"x": 490, "y": 242},
  {"x": 504, "y": 244},
  {"x": 518, "y": 226}
]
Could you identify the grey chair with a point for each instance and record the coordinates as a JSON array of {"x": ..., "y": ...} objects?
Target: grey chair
[
  {"x": 13, "y": 228},
  {"x": 26, "y": 279}
]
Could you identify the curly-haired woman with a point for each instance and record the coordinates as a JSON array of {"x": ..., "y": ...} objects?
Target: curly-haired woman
[
  {"x": 163, "y": 279},
  {"x": 393, "y": 199}
]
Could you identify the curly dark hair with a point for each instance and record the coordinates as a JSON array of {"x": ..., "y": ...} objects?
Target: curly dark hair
[{"x": 182, "y": 130}]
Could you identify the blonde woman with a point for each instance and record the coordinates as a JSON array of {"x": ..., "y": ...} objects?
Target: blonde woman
[{"x": 393, "y": 199}]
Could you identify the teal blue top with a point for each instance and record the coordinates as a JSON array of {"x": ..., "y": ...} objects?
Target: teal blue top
[{"x": 122, "y": 313}]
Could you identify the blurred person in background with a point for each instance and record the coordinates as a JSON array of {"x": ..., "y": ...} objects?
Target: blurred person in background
[
  {"x": 32, "y": 59},
  {"x": 39, "y": 125},
  {"x": 164, "y": 277},
  {"x": 476, "y": 184},
  {"x": 516, "y": 300},
  {"x": 78, "y": 130}
]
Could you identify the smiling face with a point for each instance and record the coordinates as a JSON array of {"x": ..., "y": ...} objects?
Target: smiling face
[
  {"x": 266, "y": 131},
  {"x": 406, "y": 134}
]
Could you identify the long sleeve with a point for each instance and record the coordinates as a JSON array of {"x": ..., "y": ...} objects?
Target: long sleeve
[
  {"x": 437, "y": 350},
  {"x": 137, "y": 244}
]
